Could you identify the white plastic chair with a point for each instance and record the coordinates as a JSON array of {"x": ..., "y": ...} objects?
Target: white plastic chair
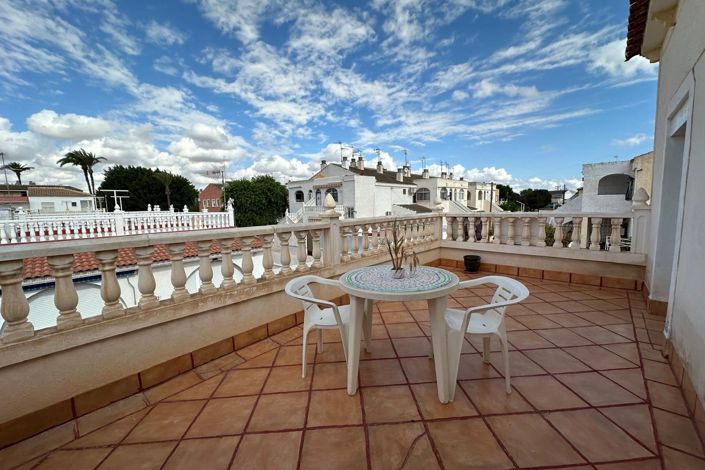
[
  {"x": 332, "y": 316},
  {"x": 484, "y": 320}
]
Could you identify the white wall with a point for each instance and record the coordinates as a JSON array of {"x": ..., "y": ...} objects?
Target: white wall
[
  {"x": 682, "y": 74},
  {"x": 610, "y": 203},
  {"x": 61, "y": 204}
]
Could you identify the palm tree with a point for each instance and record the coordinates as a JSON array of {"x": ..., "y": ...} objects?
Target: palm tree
[
  {"x": 18, "y": 168},
  {"x": 165, "y": 178},
  {"x": 85, "y": 160}
]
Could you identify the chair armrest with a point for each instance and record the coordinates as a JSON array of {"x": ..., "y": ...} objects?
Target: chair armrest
[{"x": 476, "y": 282}]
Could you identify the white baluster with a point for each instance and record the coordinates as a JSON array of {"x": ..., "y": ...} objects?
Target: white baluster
[
  {"x": 267, "y": 260},
  {"x": 178, "y": 273},
  {"x": 616, "y": 234},
  {"x": 497, "y": 229},
  {"x": 65, "y": 296},
  {"x": 344, "y": 256},
  {"x": 109, "y": 286},
  {"x": 226, "y": 264},
  {"x": 285, "y": 252},
  {"x": 366, "y": 240},
  {"x": 247, "y": 265},
  {"x": 13, "y": 304},
  {"x": 316, "y": 249},
  {"x": 145, "y": 277},
  {"x": 558, "y": 234},
  {"x": 595, "y": 233},
  {"x": 452, "y": 227},
  {"x": 541, "y": 240},
  {"x": 575, "y": 236},
  {"x": 3, "y": 235},
  {"x": 301, "y": 254},
  {"x": 484, "y": 238},
  {"x": 205, "y": 270},
  {"x": 526, "y": 231},
  {"x": 510, "y": 231}
]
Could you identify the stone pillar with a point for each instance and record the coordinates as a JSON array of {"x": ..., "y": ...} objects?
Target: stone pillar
[
  {"x": 301, "y": 254},
  {"x": 510, "y": 231},
  {"x": 595, "y": 233},
  {"x": 344, "y": 256},
  {"x": 366, "y": 240},
  {"x": 109, "y": 286},
  {"x": 483, "y": 234},
  {"x": 247, "y": 264},
  {"x": 558, "y": 234},
  {"x": 65, "y": 296},
  {"x": 178, "y": 274},
  {"x": 615, "y": 234},
  {"x": 205, "y": 270},
  {"x": 285, "y": 253},
  {"x": 355, "y": 241},
  {"x": 541, "y": 241},
  {"x": 227, "y": 269},
  {"x": 575, "y": 236},
  {"x": 267, "y": 260},
  {"x": 331, "y": 237},
  {"x": 316, "y": 249},
  {"x": 497, "y": 230},
  {"x": 13, "y": 304},
  {"x": 452, "y": 227},
  {"x": 145, "y": 278}
]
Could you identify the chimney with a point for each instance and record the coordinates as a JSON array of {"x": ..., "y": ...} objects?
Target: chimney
[
  {"x": 462, "y": 178},
  {"x": 400, "y": 174},
  {"x": 360, "y": 163},
  {"x": 345, "y": 162},
  {"x": 444, "y": 175},
  {"x": 407, "y": 171},
  {"x": 353, "y": 163},
  {"x": 450, "y": 176},
  {"x": 380, "y": 167},
  {"x": 424, "y": 174},
  {"x": 323, "y": 164}
]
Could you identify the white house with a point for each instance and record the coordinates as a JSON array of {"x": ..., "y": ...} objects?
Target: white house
[
  {"x": 40, "y": 199},
  {"x": 671, "y": 32}
]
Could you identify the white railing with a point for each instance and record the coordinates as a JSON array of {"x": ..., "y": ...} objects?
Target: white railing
[
  {"x": 587, "y": 231},
  {"x": 30, "y": 228}
]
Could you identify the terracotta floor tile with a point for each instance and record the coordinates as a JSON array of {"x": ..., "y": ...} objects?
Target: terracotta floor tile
[
  {"x": 419, "y": 369},
  {"x": 572, "y": 306},
  {"x": 596, "y": 437},
  {"x": 519, "y": 364},
  {"x": 678, "y": 432},
  {"x": 202, "y": 391},
  {"x": 381, "y": 372},
  {"x": 490, "y": 397},
  {"x": 636, "y": 420},
  {"x": 404, "y": 330},
  {"x": 545, "y": 308},
  {"x": 390, "y": 306},
  {"x": 287, "y": 379},
  {"x": 110, "y": 434},
  {"x": 277, "y": 450},
  {"x": 431, "y": 408},
  {"x": 329, "y": 335},
  {"x": 666, "y": 397},
  {"x": 528, "y": 340},
  {"x": 659, "y": 372},
  {"x": 326, "y": 449},
  {"x": 631, "y": 379},
  {"x": 568, "y": 320},
  {"x": 379, "y": 332},
  {"x": 389, "y": 404},
  {"x": 599, "y": 358},
  {"x": 392, "y": 445},
  {"x": 420, "y": 315},
  {"x": 278, "y": 412},
  {"x": 626, "y": 330},
  {"x": 263, "y": 360},
  {"x": 242, "y": 382},
  {"x": 556, "y": 360},
  {"x": 139, "y": 456},
  {"x": 551, "y": 297},
  {"x": 416, "y": 304},
  {"x": 397, "y": 317},
  {"x": 258, "y": 348},
  {"x": 563, "y": 337},
  {"x": 291, "y": 355},
  {"x": 409, "y": 347},
  {"x": 222, "y": 416},
  {"x": 330, "y": 375},
  {"x": 532, "y": 442},
  {"x": 536, "y": 322},
  {"x": 601, "y": 318},
  {"x": 510, "y": 324},
  {"x": 546, "y": 393},
  {"x": 171, "y": 387},
  {"x": 597, "y": 390},
  {"x": 333, "y": 353},
  {"x": 599, "y": 335},
  {"x": 472, "y": 367},
  {"x": 676, "y": 460},
  {"x": 167, "y": 421},
  {"x": 379, "y": 349},
  {"x": 74, "y": 459},
  {"x": 628, "y": 351},
  {"x": 192, "y": 453},
  {"x": 458, "y": 439},
  {"x": 333, "y": 408}
]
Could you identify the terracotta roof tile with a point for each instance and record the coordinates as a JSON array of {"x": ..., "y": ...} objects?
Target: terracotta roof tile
[{"x": 638, "y": 15}]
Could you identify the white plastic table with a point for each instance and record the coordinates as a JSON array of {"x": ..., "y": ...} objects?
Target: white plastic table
[{"x": 376, "y": 283}]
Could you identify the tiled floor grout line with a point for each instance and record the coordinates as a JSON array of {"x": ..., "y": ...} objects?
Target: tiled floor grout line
[{"x": 304, "y": 343}]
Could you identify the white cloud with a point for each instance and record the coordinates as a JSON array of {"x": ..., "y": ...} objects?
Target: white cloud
[
  {"x": 609, "y": 59},
  {"x": 281, "y": 168},
  {"x": 163, "y": 34},
  {"x": 636, "y": 139},
  {"x": 459, "y": 95},
  {"x": 67, "y": 126},
  {"x": 487, "y": 88}
]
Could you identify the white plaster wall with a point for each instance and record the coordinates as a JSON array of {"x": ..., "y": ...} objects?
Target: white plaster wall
[
  {"x": 682, "y": 55},
  {"x": 61, "y": 204},
  {"x": 610, "y": 203}
]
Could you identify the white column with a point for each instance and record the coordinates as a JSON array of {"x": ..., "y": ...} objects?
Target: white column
[
  {"x": 541, "y": 241},
  {"x": 497, "y": 229},
  {"x": 575, "y": 236},
  {"x": 226, "y": 264},
  {"x": 205, "y": 270},
  {"x": 178, "y": 274},
  {"x": 145, "y": 277},
  {"x": 316, "y": 249},
  {"x": 526, "y": 231},
  {"x": 558, "y": 234},
  {"x": 65, "y": 296},
  {"x": 595, "y": 233},
  {"x": 267, "y": 260},
  {"x": 13, "y": 304},
  {"x": 484, "y": 234},
  {"x": 247, "y": 265},
  {"x": 301, "y": 254},
  {"x": 285, "y": 253},
  {"x": 616, "y": 234},
  {"x": 510, "y": 231},
  {"x": 109, "y": 286},
  {"x": 355, "y": 241},
  {"x": 344, "y": 256},
  {"x": 366, "y": 240},
  {"x": 452, "y": 227}
]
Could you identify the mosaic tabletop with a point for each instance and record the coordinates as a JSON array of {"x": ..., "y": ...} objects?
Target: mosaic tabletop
[{"x": 379, "y": 279}]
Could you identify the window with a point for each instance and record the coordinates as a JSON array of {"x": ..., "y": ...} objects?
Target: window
[
  {"x": 310, "y": 194},
  {"x": 206, "y": 203},
  {"x": 74, "y": 204},
  {"x": 215, "y": 203},
  {"x": 614, "y": 184},
  {"x": 444, "y": 193},
  {"x": 318, "y": 197},
  {"x": 299, "y": 196},
  {"x": 479, "y": 195},
  {"x": 333, "y": 192},
  {"x": 422, "y": 194},
  {"x": 461, "y": 195},
  {"x": 404, "y": 190}
]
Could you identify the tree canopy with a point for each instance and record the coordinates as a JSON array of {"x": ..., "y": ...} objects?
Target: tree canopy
[
  {"x": 259, "y": 201},
  {"x": 18, "y": 168},
  {"x": 86, "y": 161},
  {"x": 145, "y": 187},
  {"x": 533, "y": 199}
]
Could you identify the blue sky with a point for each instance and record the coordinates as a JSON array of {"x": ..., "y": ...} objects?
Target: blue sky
[{"x": 519, "y": 92}]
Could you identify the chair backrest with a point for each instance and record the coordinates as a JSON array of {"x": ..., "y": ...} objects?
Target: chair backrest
[
  {"x": 299, "y": 289},
  {"x": 509, "y": 291}
]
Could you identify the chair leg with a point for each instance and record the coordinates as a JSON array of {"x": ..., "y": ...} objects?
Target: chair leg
[
  {"x": 505, "y": 359},
  {"x": 304, "y": 364},
  {"x": 319, "y": 341},
  {"x": 486, "y": 349}
]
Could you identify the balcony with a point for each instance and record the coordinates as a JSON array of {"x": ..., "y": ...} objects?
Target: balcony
[{"x": 212, "y": 377}]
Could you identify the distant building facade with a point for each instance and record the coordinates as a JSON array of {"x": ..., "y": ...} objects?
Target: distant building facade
[
  {"x": 210, "y": 198},
  {"x": 43, "y": 199}
]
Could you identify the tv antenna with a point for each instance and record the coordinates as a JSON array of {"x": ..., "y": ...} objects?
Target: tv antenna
[{"x": 377, "y": 152}]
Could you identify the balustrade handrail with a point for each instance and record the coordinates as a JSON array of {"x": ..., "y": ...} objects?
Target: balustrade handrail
[
  {"x": 547, "y": 214},
  {"x": 387, "y": 219}
]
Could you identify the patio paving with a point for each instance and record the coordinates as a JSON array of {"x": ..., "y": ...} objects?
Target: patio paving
[{"x": 590, "y": 390}]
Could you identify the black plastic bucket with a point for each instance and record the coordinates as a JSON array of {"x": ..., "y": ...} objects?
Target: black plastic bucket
[{"x": 472, "y": 263}]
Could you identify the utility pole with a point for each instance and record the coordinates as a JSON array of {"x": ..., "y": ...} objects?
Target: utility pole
[
  {"x": 491, "y": 195},
  {"x": 4, "y": 169}
]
